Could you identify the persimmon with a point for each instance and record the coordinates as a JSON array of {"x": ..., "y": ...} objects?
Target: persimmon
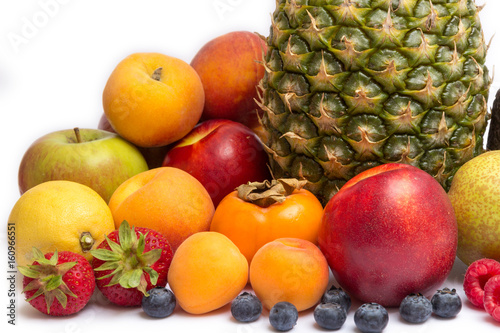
[{"x": 257, "y": 213}]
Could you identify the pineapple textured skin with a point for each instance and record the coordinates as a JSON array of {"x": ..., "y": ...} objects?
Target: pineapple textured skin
[{"x": 352, "y": 84}]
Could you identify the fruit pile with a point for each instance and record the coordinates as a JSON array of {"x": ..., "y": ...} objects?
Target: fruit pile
[{"x": 248, "y": 175}]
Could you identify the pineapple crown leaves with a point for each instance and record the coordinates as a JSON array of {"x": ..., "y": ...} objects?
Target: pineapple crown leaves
[
  {"x": 47, "y": 278},
  {"x": 127, "y": 260}
]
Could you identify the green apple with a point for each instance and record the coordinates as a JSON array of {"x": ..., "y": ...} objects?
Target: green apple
[
  {"x": 475, "y": 196},
  {"x": 99, "y": 159}
]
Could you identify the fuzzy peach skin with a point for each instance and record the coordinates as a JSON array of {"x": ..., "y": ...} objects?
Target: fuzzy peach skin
[
  {"x": 207, "y": 272},
  {"x": 152, "y": 99},
  {"x": 165, "y": 199},
  {"x": 289, "y": 269},
  {"x": 230, "y": 67}
]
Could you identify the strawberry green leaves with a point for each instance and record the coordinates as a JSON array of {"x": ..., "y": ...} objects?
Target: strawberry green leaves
[
  {"x": 45, "y": 278},
  {"x": 127, "y": 261}
]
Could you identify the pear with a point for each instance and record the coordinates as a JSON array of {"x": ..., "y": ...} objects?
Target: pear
[{"x": 475, "y": 196}]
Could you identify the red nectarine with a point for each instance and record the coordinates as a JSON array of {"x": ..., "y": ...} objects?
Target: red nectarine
[{"x": 389, "y": 232}]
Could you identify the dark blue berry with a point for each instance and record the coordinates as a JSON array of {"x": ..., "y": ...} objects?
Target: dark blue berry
[
  {"x": 330, "y": 316},
  {"x": 371, "y": 318},
  {"x": 446, "y": 303},
  {"x": 283, "y": 316},
  {"x": 160, "y": 303},
  {"x": 337, "y": 295},
  {"x": 415, "y": 308},
  {"x": 246, "y": 307}
]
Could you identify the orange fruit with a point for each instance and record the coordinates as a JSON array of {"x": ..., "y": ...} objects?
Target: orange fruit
[
  {"x": 152, "y": 99},
  {"x": 289, "y": 270},
  {"x": 168, "y": 200},
  {"x": 62, "y": 215},
  {"x": 207, "y": 272}
]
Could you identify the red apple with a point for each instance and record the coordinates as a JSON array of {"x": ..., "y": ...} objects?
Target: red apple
[
  {"x": 221, "y": 154},
  {"x": 389, "y": 232},
  {"x": 153, "y": 155}
]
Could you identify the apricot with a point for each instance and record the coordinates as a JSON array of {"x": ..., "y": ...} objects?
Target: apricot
[
  {"x": 289, "y": 269},
  {"x": 154, "y": 156},
  {"x": 207, "y": 272},
  {"x": 168, "y": 200},
  {"x": 230, "y": 68},
  {"x": 152, "y": 99}
]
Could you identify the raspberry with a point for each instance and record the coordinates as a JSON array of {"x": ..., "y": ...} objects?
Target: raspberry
[
  {"x": 492, "y": 297},
  {"x": 476, "y": 276}
]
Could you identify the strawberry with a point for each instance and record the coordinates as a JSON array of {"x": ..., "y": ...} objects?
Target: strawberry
[
  {"x": 129, "y": 262},
  {"x": 58, "y": 284}
]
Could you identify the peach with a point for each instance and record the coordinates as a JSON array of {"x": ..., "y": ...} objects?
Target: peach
[
  {"x": 289, "y": 269},
  {"x": 168, "y": 200},
  {"x": 207, "y": 272},
  {"x": 230, "y": 71},
  {"x": 152, "y": 99}
]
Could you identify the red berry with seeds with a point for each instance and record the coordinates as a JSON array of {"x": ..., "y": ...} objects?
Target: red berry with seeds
[
  {"x": 58, "y": 284},
  {"x": 492, "y": 297},
  {"x": 129, "y": 262},
  {"x": 476, "y": 276}
]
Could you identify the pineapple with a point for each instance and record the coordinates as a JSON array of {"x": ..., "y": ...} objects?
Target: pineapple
[{"x": 352, "y": 84}]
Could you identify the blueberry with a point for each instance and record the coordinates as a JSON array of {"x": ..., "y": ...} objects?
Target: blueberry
[
  {"x": 446, "y": 303},
  {"x": 330, "y": 316},
  {"x": 415, "y": 308},
  {"x": 160, "y": 303},
  {"x": 246, "y": 307},
  {"x": 283, "y": 316},
  {"x": 337, "y": 295},
  {"x": 371, "y": 318}
]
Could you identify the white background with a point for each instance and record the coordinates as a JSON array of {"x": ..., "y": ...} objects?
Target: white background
[{"x": 52, "y": 77}]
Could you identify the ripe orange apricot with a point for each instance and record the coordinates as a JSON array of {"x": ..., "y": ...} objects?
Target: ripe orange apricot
[
  {"x": 207, "y": 272},
  {"x": 152, "y": 99},
  {"x": 168, "y": 200},
  {"x": 289, "y": 269}
]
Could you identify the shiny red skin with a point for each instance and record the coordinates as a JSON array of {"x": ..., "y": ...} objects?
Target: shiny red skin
[
  {"x": 389, "y": 232},
  {"x": 228, "y": 155}
]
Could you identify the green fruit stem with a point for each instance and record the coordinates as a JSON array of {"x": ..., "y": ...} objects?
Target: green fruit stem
[
  {"x": 86, "y": 241},
  {"x": 77, "y": 135}
]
